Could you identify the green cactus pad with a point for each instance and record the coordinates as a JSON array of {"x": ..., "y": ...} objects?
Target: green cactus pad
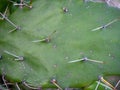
[{"x": 72, "y": 40}]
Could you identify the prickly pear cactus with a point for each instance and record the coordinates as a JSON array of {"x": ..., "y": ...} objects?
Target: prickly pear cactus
[{"x": 52, "y": 39}]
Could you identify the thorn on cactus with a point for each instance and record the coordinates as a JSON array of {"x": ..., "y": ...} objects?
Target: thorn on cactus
[
  {"x": 106, "y": 25},
  {"x": 106, "y": 82},
  {"x": 98, "y": 83},
  {"x": 85, "y": 59},
  {"x": 4, "y": 17},
  {"x": 19, "y": 58},
  {"x": 22, "y": 4},
  {"x": 15, "y": 29},
  {"x": 102, "y": 84},
  {"x": 54, "y": 81},
  {"x": 47, "y": 39}
]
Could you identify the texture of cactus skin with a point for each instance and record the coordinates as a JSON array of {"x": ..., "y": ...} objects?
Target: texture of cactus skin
[{"x": 72, "y": 40}]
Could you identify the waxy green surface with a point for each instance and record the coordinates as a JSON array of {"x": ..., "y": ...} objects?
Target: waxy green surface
[{"x": 72, "y": 40}]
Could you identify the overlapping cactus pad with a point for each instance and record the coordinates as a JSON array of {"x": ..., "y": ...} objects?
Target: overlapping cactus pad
[{"x": 64, "y": 30}]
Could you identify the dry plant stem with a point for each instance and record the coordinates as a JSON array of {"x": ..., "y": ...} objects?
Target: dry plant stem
[
  {"x": 106, "y": 25},
  {"x": 17, "y": 86},
  {"x": 107, "y": 83},
  {"x": 9, "y": 84},
  {"x": 3, "y": 78},
  {"x": 29, "y": 86},
  {"x": 57, "y": 85},
  {"x": 117, "y": 84}
]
